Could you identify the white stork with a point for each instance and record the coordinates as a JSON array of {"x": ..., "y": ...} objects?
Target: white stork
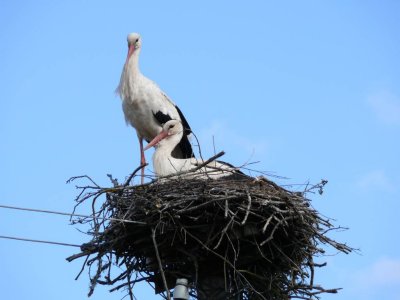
[
  {"x": 164, "y": 163},
  {"x": 146, "y": 107}
]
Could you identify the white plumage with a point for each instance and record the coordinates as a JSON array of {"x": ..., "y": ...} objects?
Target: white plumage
[
  {"x": 146, "y": 107},
  {"x": 165, "y": 164}
]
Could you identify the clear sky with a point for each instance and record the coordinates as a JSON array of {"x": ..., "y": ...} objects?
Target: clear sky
[{"x": 311, "y": 89}]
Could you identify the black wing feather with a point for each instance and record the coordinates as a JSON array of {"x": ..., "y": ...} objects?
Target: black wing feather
[
  {"x": 184, "y": 144},
  {"x": 185, "y": 123},
  {"x": 161, "y": 117}
]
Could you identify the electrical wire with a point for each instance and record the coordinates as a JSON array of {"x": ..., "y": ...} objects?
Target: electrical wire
[
  {"x": 56, "y": 213},
  {"x": 38, "y": 241},
  {"x": 68, "y": 214}
]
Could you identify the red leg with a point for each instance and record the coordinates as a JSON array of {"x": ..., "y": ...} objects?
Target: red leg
[{"x": 142, "y": 159}]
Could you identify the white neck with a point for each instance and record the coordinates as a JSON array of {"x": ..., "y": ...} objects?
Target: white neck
[
  {"x": 129, "y": 74},
  {"x": 132, "y": 66},
  {"x": 163, "y": 161}
]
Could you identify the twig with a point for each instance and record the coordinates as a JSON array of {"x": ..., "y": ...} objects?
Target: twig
[
  {"x": 82, "y": 176},
  {"x": 248, "y": 207},
  {"x": 129, "y": 283},
  {"x": 133, "y": 174},
  {"x": 224, "y": 231},
  {"x": 84, "y": 253},
  {"x": 267, "y": 223}
]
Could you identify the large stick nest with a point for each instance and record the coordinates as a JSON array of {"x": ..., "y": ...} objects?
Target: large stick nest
[{"x": 257, "y": 237}]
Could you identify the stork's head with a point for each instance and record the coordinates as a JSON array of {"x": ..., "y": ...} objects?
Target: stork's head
[
  {"x": 134, "y": 44},
  {"x": 172, "y": 130},
  {"x": 173, "y": 127}
]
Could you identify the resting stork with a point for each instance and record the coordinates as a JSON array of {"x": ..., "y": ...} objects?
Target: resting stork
[
  {"x": 146, "y": 107},
  {"x": 164, "y": 163}
]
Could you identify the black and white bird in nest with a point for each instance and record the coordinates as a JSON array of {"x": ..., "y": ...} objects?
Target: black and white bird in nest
[
  {"x": 165, "y": 164},
  {"x": 146, "y": 107}
]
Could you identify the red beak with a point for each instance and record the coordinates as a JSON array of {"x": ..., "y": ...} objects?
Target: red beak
[
  {"x": 162, "y": 135},
  {"x": 131, "y": 49}
]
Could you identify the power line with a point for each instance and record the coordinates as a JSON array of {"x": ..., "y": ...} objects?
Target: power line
[
  {"x": 37, "y": 241},
  {"x": 68, "y": 214},
  {"x": 57, "y": 213}
]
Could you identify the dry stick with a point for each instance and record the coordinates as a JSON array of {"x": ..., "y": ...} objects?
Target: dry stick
[
  {"x": 226, "y": 205},
  {"x": 133, "y": 174},
  {"x": 310, "y": 265},
  {"x": 224, "y": 231},
  {"x": 129, "y": 283},
  {"x": 153, "y": 235},
  {"x": 82, "y": 196},
  {"x": 271, "y": 236},
  {"x": 280, "y": 222},
  {"x": 284, "y": 255},
  {"x": 213, "y": 143},
  {"x": 208, "y": 161},
  {"x": 201, "y": 205},
  {"x": 248, "y": 207},
  {"x": 225, "y": 273},
  {"x": 83, "y": 267},
  {"x": 95, "y": 221},
  {"x": 82, "y": 176},
  {"x": 267, "y": 223},
  {"x": 75, "y": 256},
  {"x": 198, "y": 145},
  {"x": 126, "y": 283},
  {"x": 93, "y": 281}
]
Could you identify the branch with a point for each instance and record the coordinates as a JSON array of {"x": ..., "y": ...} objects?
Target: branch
[{"x": 133, "y": 174}]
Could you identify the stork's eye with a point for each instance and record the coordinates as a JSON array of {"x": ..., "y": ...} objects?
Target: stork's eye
[
  {"x": 171, "y": 126},
  {"x": 137, "y": 40}
]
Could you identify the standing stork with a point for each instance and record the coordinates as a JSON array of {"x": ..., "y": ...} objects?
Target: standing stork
[
  {"x": 146, "y": 107},
  {"x": 165, "y": 163}
]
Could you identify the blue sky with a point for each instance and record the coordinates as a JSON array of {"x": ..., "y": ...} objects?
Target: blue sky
[{"x": 310, "y": 89}]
